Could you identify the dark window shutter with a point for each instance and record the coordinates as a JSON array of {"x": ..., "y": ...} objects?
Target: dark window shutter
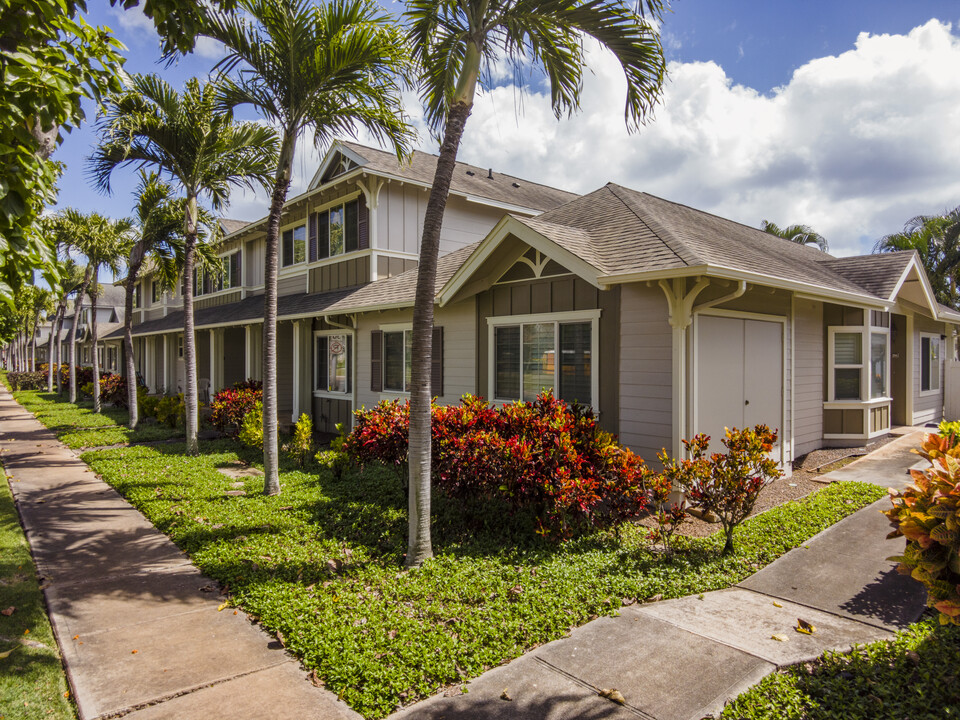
[
  {"x": 323, "y": 235},
  {"x": 350, "y": 226},
  {"x": 322, "y": 355},
  {"x": 236, "y": 269},
  {"x": 436, "y": 371},
  {"x": 313, "y": 237},
  {"x": 363, "y": 226},
  {"x": 286, "y": 249},
  {"x": 376, "y": 361}
]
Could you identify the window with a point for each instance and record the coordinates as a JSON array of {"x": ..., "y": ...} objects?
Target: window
[
  {"x": 179, "y": 346},
  {"x": 879, "y": 343},
  {"x": 338, "y": 229},
  {"x": 155, "y": 291},
  {"x": 397, "y": 360},
  {"x": 231, "y": 271},
  {"x": 136, "y": 295},
  {"x": 531, "y": 357},
  {"x": 294, "y": 249},
  {"x": 929, "y": 363},
  {"x": 847, "y": 360},
  {"x": 334, "y": 358}
]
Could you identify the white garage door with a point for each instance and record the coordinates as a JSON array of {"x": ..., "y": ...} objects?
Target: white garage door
[{"x": 739, "y": 375}]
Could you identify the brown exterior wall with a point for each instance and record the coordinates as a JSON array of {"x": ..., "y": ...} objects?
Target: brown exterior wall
[
  {"x": 563, "y": 294},
  {"x": 327, "y": 412},
  {"x": 843, "y": 422},
  {"x": 226, "y": 298},
  {"x": 389, "y": 266},
  {"x": 340, "y": 275}
]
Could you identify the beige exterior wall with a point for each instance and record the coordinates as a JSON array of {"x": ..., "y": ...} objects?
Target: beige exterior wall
[{"x": 809, "y": 367}]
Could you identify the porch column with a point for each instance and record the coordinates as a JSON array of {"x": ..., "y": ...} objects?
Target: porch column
[
  {"x": 247, "y": 352},
  {"x": 166, "y": 363},
  {"x": 296, "y": 370},
  {"x": 147, "y": 363},
  {"x": 213, "y": 362}
]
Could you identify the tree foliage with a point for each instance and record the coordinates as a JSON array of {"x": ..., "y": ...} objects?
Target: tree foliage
[
  {"x": 50, "y": 59},
  {"x": 800, "y": 234}
]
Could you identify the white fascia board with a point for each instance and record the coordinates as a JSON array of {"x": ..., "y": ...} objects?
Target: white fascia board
[
  {"x": 928, "y": 293},
  {"x": 336, "y": 148},
  {"x": 510, "y": 225},
  {"x": 349, "y": 311},
  {"x": 802, "y": 289}
]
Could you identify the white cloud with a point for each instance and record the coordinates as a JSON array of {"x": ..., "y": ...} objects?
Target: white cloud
[
  {"x": 209, "y": 48},
  {"x": 853, "y": 145}
]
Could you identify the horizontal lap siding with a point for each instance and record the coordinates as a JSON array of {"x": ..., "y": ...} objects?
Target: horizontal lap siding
[
  {"x": 809, "y": 361},
  {"x": 646, "y": 371},
  {"x": 926, "y": 408},
  {"x": 292, "y": 284}
]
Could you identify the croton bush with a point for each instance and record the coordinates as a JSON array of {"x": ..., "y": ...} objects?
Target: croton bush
[
  {"x": 546, "y": 455},
  {"x": 927, "y": 514},
  {"x": 113, "y": 389},
  {"x": 230, "y": 406}
]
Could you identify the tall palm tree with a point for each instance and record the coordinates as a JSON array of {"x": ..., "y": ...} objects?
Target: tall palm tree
[
  {"x": 190, "y": 138},
  {"x": 332, "y": 67},
  {"x": 452, "y": 43},
  {"x": 800, "y": 234},
  {"x": 71, "y": 275},
  {"x": 936, "y": 238},
  {"x": 159, "y": 242}
]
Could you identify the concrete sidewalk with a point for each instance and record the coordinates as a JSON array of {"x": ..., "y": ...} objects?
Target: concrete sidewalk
[
  {"x": 138, "y": 625},
  {"x": 683, "y": 659}
]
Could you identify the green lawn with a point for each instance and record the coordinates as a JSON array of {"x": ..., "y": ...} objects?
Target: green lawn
[
  {"x": 32, "y": 683},
  {"x": 913, "y": 676},
  {"x": 77, "y": 426},
  {"x": 321, "y": 566}
]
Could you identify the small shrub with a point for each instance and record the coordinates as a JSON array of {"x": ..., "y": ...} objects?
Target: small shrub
[
  {"x": 147, "y": 404},
  {"x": 668, "y": 511},
  {"x": 251, "y": 428},
  {"x": 87, "y": 389},
  {"x": 302, "y": 442},
  {"x": 927, "y": 514},
  {"x": 230, "y": 406},
  {"x": 171, "y": 411},
  {"x": 950, "y": 428},
  {"x": 381, "y": 435},
  {"x": 249, "y": 384},
  {"x": 27, "y": 380},
  {"x": 334, "y": 458},
  {"x": 113, "y": 389},
  {"x": 724, "y": 486}
]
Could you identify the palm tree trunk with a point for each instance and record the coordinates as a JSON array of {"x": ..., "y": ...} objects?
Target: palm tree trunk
[
  {"x": 419, "y": 545},
  {"x": 72, "y": 347},
  {"x": 63, "y": 316},
  {"x": 52, "y": 343},
  {"x": 190, "y": 397},
  {"x": 130, "y": 367},
  {"x": 33, "y": 342},
  {"x": 93, "y": 340},
  {"x": 271, "y": 451}
]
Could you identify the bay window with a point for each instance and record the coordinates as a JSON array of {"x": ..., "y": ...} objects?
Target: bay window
[
  {"x": 535, "y": 353},
  {"x": 879, "y": 372},
  {"x": 929, "y": 363},
  {"x": 859, "y": 364}
]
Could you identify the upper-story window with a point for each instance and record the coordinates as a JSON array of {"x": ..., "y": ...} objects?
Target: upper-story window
[
  {"x": 155, "y": 291},
  {"x": 232, "y": 277},
  {"x": 338, "y": 229},
  {"x": 137, "y": 300},
  {"x": 294, "y": 246}
]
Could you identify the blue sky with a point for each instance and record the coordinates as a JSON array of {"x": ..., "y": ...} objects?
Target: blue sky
[{"x": 835, "y": 114}]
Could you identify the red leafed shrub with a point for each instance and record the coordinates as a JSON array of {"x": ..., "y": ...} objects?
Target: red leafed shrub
[
  {"x": 545, "y": 455},
  {"x": 113, "y": 389},
  {"x": 230, "y": 406},
  {"x": 723, "y": 487}
]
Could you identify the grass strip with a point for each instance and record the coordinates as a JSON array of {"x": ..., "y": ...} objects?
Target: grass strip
[
  {"x": 320, "y": 565},
  {"x": 912, "y": 676},
  {"x": 32, "y": 683}
]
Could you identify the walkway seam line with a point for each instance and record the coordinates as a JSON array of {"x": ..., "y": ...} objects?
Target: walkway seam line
[{"x": 583, "y": 683}]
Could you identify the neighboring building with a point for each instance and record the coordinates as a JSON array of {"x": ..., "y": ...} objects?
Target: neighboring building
[
  {"x": 668, "y": 321},
  {"x": 110, "y": 314}
]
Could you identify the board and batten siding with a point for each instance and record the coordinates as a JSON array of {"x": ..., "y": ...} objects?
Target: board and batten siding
[
  {"x": 253, "y": 262},
  {"x": 459, "y": 351},
  {"x": 646, "y": 371},
  {"x": 927, "y": 408},
  {"x": 809, "y": 369}
]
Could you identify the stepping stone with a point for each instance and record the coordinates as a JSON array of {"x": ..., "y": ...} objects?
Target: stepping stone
[
  {"x": 238, "y": 471},
  {"x": 237, "y": 484},
  {"x": 235, "y": 493}
]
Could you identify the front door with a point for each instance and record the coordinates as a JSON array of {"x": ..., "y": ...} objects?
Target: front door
[{"x": 739, "y": 375}]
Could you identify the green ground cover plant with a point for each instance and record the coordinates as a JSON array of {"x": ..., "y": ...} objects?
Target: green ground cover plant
[
  {"x": 320, "y": 566},
  {"x": 912, "y": 676},
  {"x": 32, "y": 683},
  {"x": 77, "y": 426}
]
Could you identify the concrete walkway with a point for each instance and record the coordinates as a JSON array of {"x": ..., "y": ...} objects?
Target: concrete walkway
[
  {"x": 142, "y": 637},
  {"x": 683, "y": 659},
  {"x": 138, "y": 625}
]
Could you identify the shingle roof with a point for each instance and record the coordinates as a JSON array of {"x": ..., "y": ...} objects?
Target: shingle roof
[
  {"x": 879, "y": 274},
  {"x": 467, "y": 179},
  {"x": 230, "y": 225}
]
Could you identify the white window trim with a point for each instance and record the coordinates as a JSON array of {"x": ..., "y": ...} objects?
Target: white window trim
[
  {"x": 886, "y": 389},
  {"x": 180, "y": 346},
  {"x": 306, "y": 255},
  {"x": 392, "y": 328},
  {"x": 864, "y": 333},
  {"x": 326, "y": 207},
  {"x": 592, "y": 316},
  {"x": 939, "y": 389},
  {"x": 351, "y": 380}
]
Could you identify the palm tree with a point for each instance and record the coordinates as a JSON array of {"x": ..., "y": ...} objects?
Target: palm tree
[
  {"x": 159, "y": 242},
  {"x": 936, "y": 239},
  {"x": 71, "y": 275},
  {"x": 332, "y": 67},
  {"x": 800, "y": 234},
  {"x": 452, "y": 43},
  {"x": 203, "y": 150}
]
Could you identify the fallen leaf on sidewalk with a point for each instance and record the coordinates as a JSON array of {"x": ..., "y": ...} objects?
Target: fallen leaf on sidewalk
[
  {"x": 9, "y": 611},
  {"x": 614, "y": 695},
  {"x": 223, "y": 606},
  {"x": 506, "y": 696},
  {"x": 776, "y": 604},
  {"x": 134, "y": 652},
  {"x": 804, "y": 627},
  {"x": 780, "y": 638}
]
